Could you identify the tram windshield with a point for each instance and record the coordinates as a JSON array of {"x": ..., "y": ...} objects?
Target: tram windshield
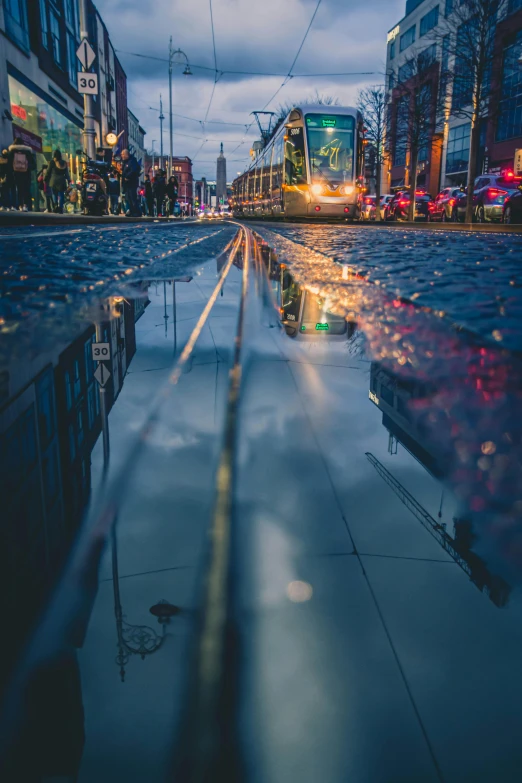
[
  {"x": 318, "y": 318},
  {"x": 331, "y": 147}
]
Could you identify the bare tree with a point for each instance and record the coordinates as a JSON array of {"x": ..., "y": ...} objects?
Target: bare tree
[
  {"x": 416, "y": 114},
  {"x": 371, "y": 102},
  {"x": 467, "y": 37}
]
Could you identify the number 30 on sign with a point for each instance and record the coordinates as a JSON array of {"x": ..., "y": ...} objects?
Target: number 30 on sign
[
  {"x": 101, "y": 352},
  {"x": 88, "y": 83}
]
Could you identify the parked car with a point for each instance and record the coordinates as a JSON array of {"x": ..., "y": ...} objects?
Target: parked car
[
  {"x": 385, "y": 200},
  {"x": 512, "y": 212},
  {"x": 397, "y": 208},
  {"x": 366, "y": 204},
  {"x": 445, "y": 205},
  {"x": 490, "y": 194}
]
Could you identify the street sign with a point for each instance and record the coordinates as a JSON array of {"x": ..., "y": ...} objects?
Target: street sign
[
  {"x": 101, "y": 352},
  {"x": 85, "y": 53},
  {"x": 88, "y": 83},
  {"x": 102, "y": 374}
]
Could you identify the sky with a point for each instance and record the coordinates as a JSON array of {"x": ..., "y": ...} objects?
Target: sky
[{"x": 261, "y": 36}]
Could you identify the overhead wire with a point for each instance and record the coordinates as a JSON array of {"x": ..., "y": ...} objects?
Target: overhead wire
[{"x": 289, "y": 74}]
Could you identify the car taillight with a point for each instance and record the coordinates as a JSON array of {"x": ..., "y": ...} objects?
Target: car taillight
[
  {"x": 495, "y": 192},
  {"x": 367, "y": 201},
  {"x": 403, "y": 202}
]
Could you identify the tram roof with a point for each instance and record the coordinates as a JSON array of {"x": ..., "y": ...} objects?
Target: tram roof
[{"x": 320, "y": 108}]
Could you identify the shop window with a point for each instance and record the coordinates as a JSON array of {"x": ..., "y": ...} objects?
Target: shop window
[
  {"x": 15, "y": 15},
  {"x": 429, "y": 21},
  {"x": 407, "y": 38},
  {"x": 510, "y": 117},
  {"x": 457, "y": 153}
]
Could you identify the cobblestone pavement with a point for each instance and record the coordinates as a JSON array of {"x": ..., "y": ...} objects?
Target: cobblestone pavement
[
  {"x": 56, "y": 271},
  {"x": 476, "y": 279}
]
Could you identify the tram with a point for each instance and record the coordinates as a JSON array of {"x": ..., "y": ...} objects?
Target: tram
[{"x": 313, "y": 166}]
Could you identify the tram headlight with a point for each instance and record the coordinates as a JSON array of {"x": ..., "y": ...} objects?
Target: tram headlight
[
  {"x": 348, "y": 190},
  {"x": 317, "y": 189}
]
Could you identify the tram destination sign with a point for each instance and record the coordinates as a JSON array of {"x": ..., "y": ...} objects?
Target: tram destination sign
[
  {"x": 322, "y": 327},
  {"x": 328, "y": 122}
]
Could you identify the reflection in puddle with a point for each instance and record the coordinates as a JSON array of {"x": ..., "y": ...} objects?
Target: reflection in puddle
[{"x": 348, "y": 370}]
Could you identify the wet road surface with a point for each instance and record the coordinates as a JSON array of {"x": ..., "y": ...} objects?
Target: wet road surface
[{"x": 375, "y": 549}]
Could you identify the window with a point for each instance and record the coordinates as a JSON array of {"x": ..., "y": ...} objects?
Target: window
[
  {"x": 77, "y": 380},
  {"x": 392, "y": 49},
  {"x": 44, "y": 23},
  {"x": 72, "y": 442},
  {"x": 89, "y": 363},
  {"x": 391, "y": 80},
  {"x": 54, "y": 28},
  {"x": 295, "y": 163},
  {"x": 72, "y": 65},
  {"x": 405, "y": 72},
  {"x": 448, "y": 8},
  {"x": 331, "y": 148},
  {"x": 457, "y": 154},
  {"x": 427, "y": 57},
  {"x": 514, "y": 5},
  {"x": 429, "y": 21},
  {"x": 79, "y": 420},
  {"x": 462, "y": 84},
  {"x": 407, "y": 38},
  {"x": 401, "y": 131},
  {"x": 15, "y": 14},
  {"x": 510, "y": 117},
  {"x": 45, "y": 407},
  {"x": 92, "y": 405}
]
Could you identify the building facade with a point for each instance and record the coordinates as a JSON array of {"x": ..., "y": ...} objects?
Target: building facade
[
  {"x": 136, "y": 135},
  {"x": 182, "y": 169},
  {"x": 444, "y": 158},
  {"x": 39, "y": 100}
]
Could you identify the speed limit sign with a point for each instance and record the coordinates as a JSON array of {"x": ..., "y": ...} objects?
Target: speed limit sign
[
  {"x": 101, "y": 352},
  {"x": 88, "y": 83}
]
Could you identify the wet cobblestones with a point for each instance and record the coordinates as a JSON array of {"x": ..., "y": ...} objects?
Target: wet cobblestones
[{"x": 476, "y": 279}]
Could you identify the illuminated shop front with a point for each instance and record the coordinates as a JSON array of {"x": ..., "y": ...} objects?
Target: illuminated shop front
[{"x": 43, "y": 127}]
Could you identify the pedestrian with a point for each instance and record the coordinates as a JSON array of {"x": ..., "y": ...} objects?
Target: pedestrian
[
  {"x": 114, "y": 193},
  {"x": 6, "y": 181},
  {"x": 130, "y": 176},
  {"x": 57, "y": 177},
  {"x": 172, "y": 192},
  {"x": 45, "y": 188},
  {"x": 22, "y": 163},
  {"x": 149, "y": 196},
  {"x": 159, "y": 190}
]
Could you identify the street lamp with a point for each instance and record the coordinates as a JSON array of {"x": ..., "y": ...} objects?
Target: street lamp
[{"x": 186, "y": 72}]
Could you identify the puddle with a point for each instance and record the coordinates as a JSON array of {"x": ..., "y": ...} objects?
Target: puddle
[{"x": 376, "y": 548}]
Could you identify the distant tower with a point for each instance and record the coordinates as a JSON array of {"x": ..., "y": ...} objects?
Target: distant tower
[{"x": 221, "y": 178}]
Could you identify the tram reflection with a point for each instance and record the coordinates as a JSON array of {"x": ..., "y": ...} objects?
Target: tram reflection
[{"x": 396, "y": 397}]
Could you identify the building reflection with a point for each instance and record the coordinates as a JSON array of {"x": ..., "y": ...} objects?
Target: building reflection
[
  {"x": 49, "y": 423},
  {"x": 400, "y": 399}
]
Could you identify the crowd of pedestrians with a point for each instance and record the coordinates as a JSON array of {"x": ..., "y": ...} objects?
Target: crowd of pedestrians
[{"x": 125, "y": 195}]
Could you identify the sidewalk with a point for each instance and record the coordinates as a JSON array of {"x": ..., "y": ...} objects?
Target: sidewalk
[{"x": 13, "y": 219}]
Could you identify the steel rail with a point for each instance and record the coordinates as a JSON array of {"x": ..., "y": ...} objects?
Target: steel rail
[{"x": 204, "y": 751}]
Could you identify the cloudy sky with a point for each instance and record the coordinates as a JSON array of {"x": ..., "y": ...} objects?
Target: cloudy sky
[{"x": 261, "y": 36}]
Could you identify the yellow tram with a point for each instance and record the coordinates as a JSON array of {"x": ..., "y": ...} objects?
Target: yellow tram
[{"x": 313, "y": 166}]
